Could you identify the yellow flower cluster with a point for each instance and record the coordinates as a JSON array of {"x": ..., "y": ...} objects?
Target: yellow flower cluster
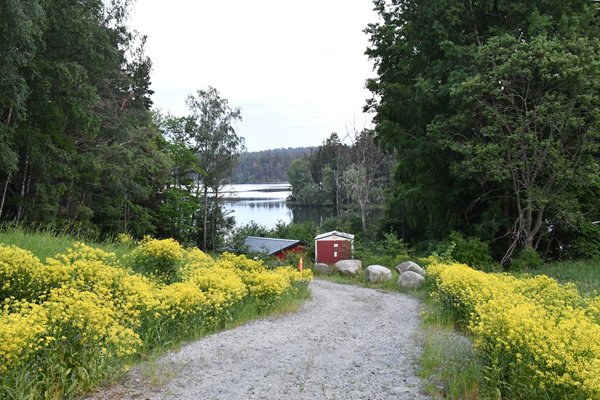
[
  {"x": 82, "y": 305},
  {"x": 168, "y": 249},
  {"x": 23, "y": 330},
  {"x": 125, "y": 238},
  {"x": 24, "y": 277},
  {"x": 539, "y": 338},
  {"x": 82, "y": 252}
]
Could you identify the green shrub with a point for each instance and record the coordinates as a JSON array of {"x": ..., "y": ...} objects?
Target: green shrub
[
  {"x": 471, "y": 251},
  {"x": 387, "y": 252},
  {"x": 527, "y": 259},
  {"x": 586, "y": 243}
]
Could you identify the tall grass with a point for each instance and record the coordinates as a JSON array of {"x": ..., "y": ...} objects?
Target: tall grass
[
  {"x": 583, "y": 273},
  {"x": 48, "y": 242}
]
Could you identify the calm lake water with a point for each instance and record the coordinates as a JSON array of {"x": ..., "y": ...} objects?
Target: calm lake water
[{"x": 265, "y": 204}]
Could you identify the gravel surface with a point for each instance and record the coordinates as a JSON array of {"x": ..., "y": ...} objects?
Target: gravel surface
[{"x": 346, "y": 342}]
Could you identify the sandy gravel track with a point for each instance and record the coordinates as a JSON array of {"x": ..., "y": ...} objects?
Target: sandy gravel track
[{"x": 346, "y": 342}]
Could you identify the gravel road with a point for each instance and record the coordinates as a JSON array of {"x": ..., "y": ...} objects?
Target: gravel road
[{"x": 346, "y": 342}]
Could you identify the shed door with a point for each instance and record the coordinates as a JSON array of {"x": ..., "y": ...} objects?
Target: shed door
[
  {"x": 331, "y": 251},
  {"x": 344, "y": 250}
]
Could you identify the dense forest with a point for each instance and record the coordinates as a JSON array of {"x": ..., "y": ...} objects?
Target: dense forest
[
  {"x": 80, "y": 149},
  {"x": 491, "y": 108},
  {"x": 267, "y": 166}
]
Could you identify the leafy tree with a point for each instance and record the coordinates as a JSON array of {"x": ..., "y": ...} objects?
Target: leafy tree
[
  {"x": 489, "y": 108},
  {"x": 217, "y": 147},
  {"x": 20, "y": 32},
  {"x": 533, "y": 128}
]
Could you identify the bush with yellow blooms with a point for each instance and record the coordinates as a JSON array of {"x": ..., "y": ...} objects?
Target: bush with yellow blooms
[
  {"x": 70, "y": 322},
  {"x": 538, "y": 339}
]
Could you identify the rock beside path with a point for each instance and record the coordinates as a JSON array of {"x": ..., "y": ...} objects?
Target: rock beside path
[
  {"x": 410, "y": 266},
  {"x": 378, "y": 273},
  {"x": 411, "y": 280},
  {"x": 348, "y": 267},
  {"x": 323, "y": 268}
]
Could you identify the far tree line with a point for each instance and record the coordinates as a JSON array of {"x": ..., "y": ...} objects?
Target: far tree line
[{"x": 267, "y": 166}]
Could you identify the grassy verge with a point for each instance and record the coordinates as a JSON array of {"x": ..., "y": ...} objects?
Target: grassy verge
[
  {"x": 583, "y": 273},
  {"x": 449, "y": 365}
]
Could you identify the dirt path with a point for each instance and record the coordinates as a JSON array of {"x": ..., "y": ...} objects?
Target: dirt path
[{"x": 346, "y": 342}]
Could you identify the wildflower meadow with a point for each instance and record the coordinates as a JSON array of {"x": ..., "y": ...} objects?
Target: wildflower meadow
[
  {"x": 536, "y": 338},
  {"x": 76, "y": 319}
]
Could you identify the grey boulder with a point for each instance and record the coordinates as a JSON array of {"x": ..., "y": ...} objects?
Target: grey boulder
[
  {"x": 323, "y": 268},
  {"x": 348, "y": 267},
  {"x": 378, "y": 273},
  {"x": 410, "y": 266},
  {"x": 411, "y": 280}
]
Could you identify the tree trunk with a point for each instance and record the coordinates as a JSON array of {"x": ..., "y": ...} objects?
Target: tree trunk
[
  {"x": 363, "y": 216},
  {"x": 4, "y": 194},
  {"x": 9, "y": 116},
  {"x": 205, "y": 218},
  {"x": 216, "y": 210},
  {"x": 23, "y": 185},
  {"x": 126, "y": 216}
]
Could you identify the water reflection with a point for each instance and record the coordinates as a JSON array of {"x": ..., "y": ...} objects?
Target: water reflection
[
  {"x": 265, "y": 204},
  {"x": 311, "y": 213}
]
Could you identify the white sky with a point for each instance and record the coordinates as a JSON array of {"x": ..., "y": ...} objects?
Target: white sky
[{"x": 296, "y": 69}]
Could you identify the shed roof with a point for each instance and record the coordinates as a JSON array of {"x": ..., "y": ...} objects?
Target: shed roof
[
  {"x": 348, "y": 236},
  {"x": 269, "y": 245}
]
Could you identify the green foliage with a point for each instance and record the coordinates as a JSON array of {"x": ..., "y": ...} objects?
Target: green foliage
[
  {"x": 585, "y": 244},
  {"x": 389, "y": 252},
  {"x": 527, "y": 259},
  {"x": 491, "y": 112},
  {"x": 472, "y": 251},
  {"x": 235, "y": 240},
  {"x": 304, "y": 189}
]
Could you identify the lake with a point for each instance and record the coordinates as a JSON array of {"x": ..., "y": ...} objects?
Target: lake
[{"x": 265, "y": 204}]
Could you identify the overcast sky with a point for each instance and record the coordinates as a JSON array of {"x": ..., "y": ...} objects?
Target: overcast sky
[{"x": 297, "y": 69}]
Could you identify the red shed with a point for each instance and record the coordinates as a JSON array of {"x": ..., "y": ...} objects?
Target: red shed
[{"x": 334, "y": 246}]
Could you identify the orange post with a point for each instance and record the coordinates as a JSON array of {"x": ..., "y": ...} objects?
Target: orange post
[{"x": 300, "y": 264}]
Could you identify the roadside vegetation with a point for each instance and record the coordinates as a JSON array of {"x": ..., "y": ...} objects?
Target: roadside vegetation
[
  {"x": 83, "y": 316},
  {"x": 532, "y": 333}
]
